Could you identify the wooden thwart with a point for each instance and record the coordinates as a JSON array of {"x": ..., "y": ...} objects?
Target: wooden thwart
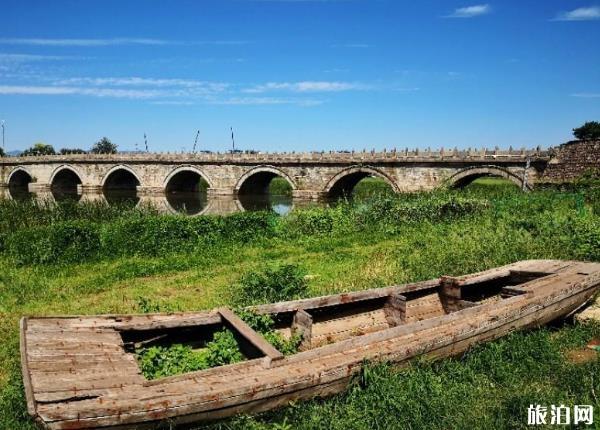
[{"x": 243, "y": 329}]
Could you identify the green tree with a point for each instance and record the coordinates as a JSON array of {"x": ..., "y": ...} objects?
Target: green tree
[
  {"x": 2, "y": 153},
  {"x": 588, "y": 131},
  {"x": 65, "y": 151},
  {"x": 40, "y": 148},
  {"x": 104, "y": 146}
]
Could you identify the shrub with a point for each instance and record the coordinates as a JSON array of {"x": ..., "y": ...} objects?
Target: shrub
[
  {"x": 280, "y": 187},
  {"x": 39, "y": 148},
  {"x": 588, "y": 131},
  {"x": 66, "y": 151},
  {"x": 104, "y": 146},
  {"x": 160, "y": 361},
  {"x": 584, "y": 238},
  {"x": 246, "y": 226},
  {"x": 65, "y": 242},
  {"x": 16, "y": 215},
  {"x": 310, "y": 221},
  {"x": 271, "y": 284},
  {"x": 150, "y": 235}
]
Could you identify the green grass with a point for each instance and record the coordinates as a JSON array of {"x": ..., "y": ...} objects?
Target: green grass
[{"x": 352, "y": 246}]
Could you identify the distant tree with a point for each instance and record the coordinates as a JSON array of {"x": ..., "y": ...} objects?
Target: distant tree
[
  {"x": 588, "y": 131},
  {"x": 39, "y": 148},
  {"x": 104, "y": 146},
  {"x": 2, "y": 153},
  {"x": 65, "y": 151}
]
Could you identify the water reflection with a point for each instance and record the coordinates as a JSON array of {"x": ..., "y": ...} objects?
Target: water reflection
[
  {"x": 189, "y": 203},
  {"x": 62, "y": 194},
  {"x": 120, "y": 196},
  {"x": 270, "y": 202}
]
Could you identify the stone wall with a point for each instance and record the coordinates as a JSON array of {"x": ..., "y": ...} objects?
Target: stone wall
[{"x": 571, "y": 160}]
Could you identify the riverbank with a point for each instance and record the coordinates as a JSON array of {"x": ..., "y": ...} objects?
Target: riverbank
[{"x": 177, "y": 263}]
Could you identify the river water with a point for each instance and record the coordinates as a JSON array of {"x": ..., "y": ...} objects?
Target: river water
[{"x": 189, "y": 203}]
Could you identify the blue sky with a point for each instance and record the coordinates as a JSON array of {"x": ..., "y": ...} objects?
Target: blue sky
[{"x": 298, "y": 74}]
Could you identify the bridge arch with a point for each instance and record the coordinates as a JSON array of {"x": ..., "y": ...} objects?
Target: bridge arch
[
  {"x": 344, "y": 181},
  {"x": 18, "y": 181},
  {"x": 121, "y": 177},
  {"x": 185, "y": 190},
  {"x": 181, "y": 173},
  {"x": 257, "y": 180},
  {"x": 469, "y": 174},
  {"x": 65, "y": 181}
]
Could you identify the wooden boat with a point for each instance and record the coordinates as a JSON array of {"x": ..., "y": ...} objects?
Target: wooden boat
[{"x": 79, "y": 373}]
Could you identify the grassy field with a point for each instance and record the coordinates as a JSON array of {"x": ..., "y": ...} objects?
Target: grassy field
[{"x": 83, "y": 260}]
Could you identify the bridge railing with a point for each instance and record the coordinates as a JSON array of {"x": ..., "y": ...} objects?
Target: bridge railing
[{"x": 324, "y": 156}]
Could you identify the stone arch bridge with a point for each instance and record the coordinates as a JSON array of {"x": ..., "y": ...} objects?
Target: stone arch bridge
[{"x": 310, "y": 175}]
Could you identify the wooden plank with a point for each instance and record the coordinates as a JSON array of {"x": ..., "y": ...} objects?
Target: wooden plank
[
  {"x": 450, "y": 287},
  {"x": 187, "y": 322},
  {"x": 24, "y": 368},
  {"x": 344, "y": 298},
  {"x": 302, "y": 326},
  {"x": 395, "y": 310},
  {"x": 244, "y": 367},
  {"x": 512, "y": 290},
  {"x": 250, "y": 335}
]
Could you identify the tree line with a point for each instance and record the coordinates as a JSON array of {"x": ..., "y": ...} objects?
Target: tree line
[{"x": 103, "y": 146}]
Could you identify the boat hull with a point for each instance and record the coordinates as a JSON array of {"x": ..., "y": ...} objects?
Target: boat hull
[{"x": 84, "y": 395}]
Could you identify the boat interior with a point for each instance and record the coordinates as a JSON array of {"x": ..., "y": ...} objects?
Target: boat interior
[{"x": 325, "y": 320}]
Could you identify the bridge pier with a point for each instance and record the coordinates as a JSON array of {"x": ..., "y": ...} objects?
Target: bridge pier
[
  {"x": 221, "y": 192},
  {"x": 36, "y": 187},
  {"x": 308, "y": 195}
]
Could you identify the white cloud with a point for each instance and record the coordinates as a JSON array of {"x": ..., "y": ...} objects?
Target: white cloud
[
  {"x": 306, "y": 87},
  {"x": 82, "y": 42},
  {"x": 175, "y": 91},
  {"x": 112, "y": 42},
  {"x": 94, "y": 92},
  {"x": 145, "y": 82},
  {"x": 470, "y": 11},
  {"x": 261, "y": 101},
  {"x": 586, "y": 95},
  {"x": 23, "y": 58},
  {"x": 580, "y": 14}
]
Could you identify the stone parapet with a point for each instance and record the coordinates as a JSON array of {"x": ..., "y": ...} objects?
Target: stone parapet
[{"x": 405, "y": 155}]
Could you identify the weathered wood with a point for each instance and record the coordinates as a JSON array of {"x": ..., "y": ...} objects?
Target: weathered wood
[
  {"x": 99, "y": 385},
  {"x": 250, "y": 335},
  {"x": 450, "y": 287},
  {"x": 511, "y": 290},
  {"x": 395, "y": 310},
  {"x": 345, "y": 298},
  {"x": 25, "y": 368},
  {"x": 302, "y": 326}
]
